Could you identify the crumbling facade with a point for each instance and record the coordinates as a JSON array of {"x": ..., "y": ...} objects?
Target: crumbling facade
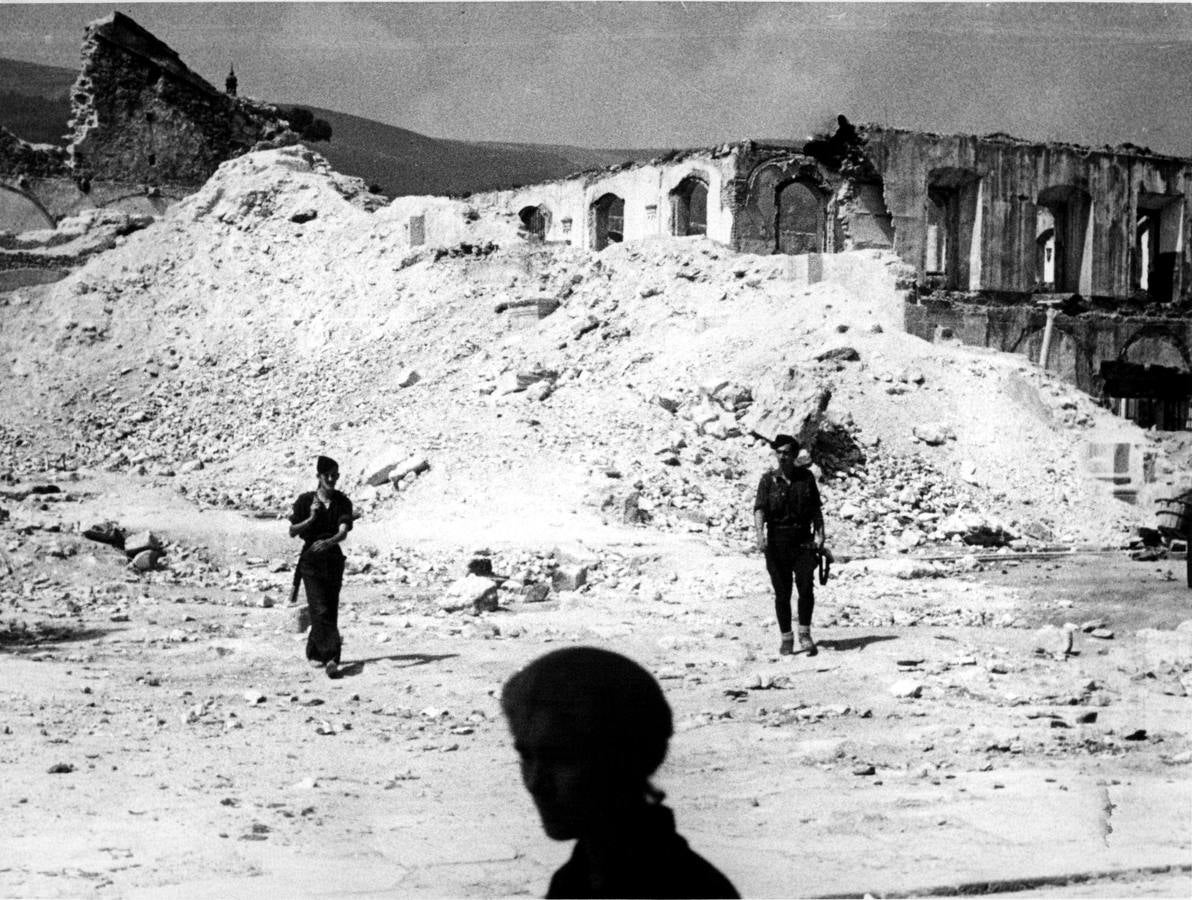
[
  {"x": 970, "y": 214},
  {"x": 998, "y": 214},
  {"x": 1078, "y": 258},
  {"x": 141, "y": 115},
  {"x": 145, "y": 130}
]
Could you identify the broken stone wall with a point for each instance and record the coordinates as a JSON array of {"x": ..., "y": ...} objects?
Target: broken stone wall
[
  {"x": 21, "y": 212},
  {"x": 140, "y": 115},
  {"x": 1079, "y": 344},
  {"x": 786, "y": 201},
  {"x": 631, "y": 203},
  {"x": 435, "y": 222},
  {"x": 998, "y": 188}
]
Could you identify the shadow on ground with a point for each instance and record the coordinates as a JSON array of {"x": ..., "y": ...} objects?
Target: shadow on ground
[
  {"x": 357, "y": 666},
  {"x": 855, "y": 643},
  {"x": 14, "y": 638}
]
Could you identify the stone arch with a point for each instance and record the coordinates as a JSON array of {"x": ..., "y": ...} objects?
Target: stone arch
[
  {"x": 950, "y": 214},
  {"x": 1069, "y": 206},
  {"x": 21, "y": 211},
  {"x": 1151, "y": 380},
  {"x": 536, "y": 221},
  {"x": 1063, "y": 354},
  {"x": 607, "y": 216},
  {"x": 800, "y": 217},
  {"x": 1156, "y": 345},
  {"x": 689, "y": 206},
  {"x": 756, "y": 226}
]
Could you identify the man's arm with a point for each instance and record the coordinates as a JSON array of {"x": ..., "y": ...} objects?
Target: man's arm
[
  {"x": 759, "y": 512},
  {"x": 297, "y": 524},
  {"x": 320, "y": 546}
]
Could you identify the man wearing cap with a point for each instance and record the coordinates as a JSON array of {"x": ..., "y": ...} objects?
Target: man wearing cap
[
  {"x": 789, "y": 522},
  {"x": 323, "y": 518}
]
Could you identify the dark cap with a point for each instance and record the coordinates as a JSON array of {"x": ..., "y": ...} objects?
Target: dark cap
[
  {"x": 326, "y": 464},
  {"x": 785, "y": 440}
]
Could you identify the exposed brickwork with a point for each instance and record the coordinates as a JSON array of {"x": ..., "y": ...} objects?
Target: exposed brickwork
[{"x": 140, "y": 115}]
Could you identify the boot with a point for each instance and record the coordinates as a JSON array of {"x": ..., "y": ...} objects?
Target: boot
[
  {"x": 805, "y": 641},
  {"x": 787, "y": 647}
]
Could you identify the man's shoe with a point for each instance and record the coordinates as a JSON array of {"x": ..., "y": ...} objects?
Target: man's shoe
[
  {"x": 332, "y": 669},
  {"x": 316, "y": 664},
  {"x": 806, "y": 643},
  {"x": 787, "y": 647}
]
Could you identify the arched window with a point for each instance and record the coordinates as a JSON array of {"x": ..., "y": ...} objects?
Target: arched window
[
  {"x": 689, "y": 207},
  {"x": 608, "y": 221},
  {"x": 536, "y": 221},
  {"x": 800, "y": 218},
  {"x": 950, "y": 215},
  {"x": 1069, "y": 208}
]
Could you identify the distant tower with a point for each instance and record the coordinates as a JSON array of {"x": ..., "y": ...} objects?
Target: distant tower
[{"x": 230, "y": 82}]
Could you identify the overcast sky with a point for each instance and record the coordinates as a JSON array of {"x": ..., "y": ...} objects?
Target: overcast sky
[{"x": 681, "y": 74}]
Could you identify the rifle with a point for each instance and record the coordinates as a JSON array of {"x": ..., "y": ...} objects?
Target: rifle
[
  {"x": 762, "y": 438},
  {"x": 297, "y": 578}
]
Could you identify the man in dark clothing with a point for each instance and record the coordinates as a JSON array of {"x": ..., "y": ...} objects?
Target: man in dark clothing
[
  {"x": 789, "y": 522},
  {"x": 323, "y": 519},
  {"x": 591, "y": 727}
]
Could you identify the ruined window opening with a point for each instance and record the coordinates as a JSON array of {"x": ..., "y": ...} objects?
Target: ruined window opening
[
  {"x": 608, "y": 221},
  {"x": 536, "y": 222},
  {"x": 1151, "y": 382},
  {"x": 1045, "y": 248},
  {"x": 800, "y": 218},
  {"x": 950, "y": 217},
  {"x": 1068, "y": 207},
  {"x": 1156, "y": 233},
  {"x": 689, "y": 207},
  {"x": 153, "y": 159},
  {"x": 417, "y": 228}
]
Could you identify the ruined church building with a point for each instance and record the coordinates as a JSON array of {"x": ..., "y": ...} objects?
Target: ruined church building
[
  {"x": 1003, "y": 235},
  {"x": 1078, "y": 258}
]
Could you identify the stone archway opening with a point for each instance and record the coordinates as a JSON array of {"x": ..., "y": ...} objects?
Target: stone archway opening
[
  {"x": 800, "y": 216},
  {"x": 1065, "y": 210},
  {"x": 20, "y": 212},
  {"x": 951, "y": 215},
  {"x": 1156, "y": 239},
  {"x": 608, "y": 221},
  {"x": 689, "y": 207},
  {"x": 1150, "y": 383},
  {"x": 536, "y": 221},
  {"x": 1063, "y": 353}
]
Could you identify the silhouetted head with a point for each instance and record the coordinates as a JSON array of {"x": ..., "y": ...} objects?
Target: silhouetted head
[{"x": 591, "y": 727}]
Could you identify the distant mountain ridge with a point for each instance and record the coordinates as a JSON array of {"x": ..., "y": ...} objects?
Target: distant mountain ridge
[{"x": 35, "y": 106}]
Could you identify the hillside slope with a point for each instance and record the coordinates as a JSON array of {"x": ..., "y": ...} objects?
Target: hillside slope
[
  {"x": 231, "y": 341},
  {"x": 35, "y": 106}
]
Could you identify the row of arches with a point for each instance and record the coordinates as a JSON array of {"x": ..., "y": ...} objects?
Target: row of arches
[
  {"x": 688, "y": 215},
  {"x": 1142, "y": 382},
  {"x": 1059, "y": 219}
]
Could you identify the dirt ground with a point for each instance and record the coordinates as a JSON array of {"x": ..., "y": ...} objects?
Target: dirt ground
[{"x": 162, "y": 735}]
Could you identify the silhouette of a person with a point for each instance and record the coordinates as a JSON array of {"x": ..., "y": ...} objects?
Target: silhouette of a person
[{"x": 591, "y": 727}]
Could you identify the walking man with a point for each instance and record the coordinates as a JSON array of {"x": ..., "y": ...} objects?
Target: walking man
[
  {"x": 323, "y": 518},
  {"x": 789, "y": 522}
]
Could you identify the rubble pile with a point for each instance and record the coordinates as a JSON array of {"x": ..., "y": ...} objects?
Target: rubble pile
[{"x": 279, "y": 313}]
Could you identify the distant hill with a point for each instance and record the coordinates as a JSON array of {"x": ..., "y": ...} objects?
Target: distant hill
[
  {"x": 35, "y": 105},
  {"x": 35, "y": 100},
  {"x": 406, "y": 162}
]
